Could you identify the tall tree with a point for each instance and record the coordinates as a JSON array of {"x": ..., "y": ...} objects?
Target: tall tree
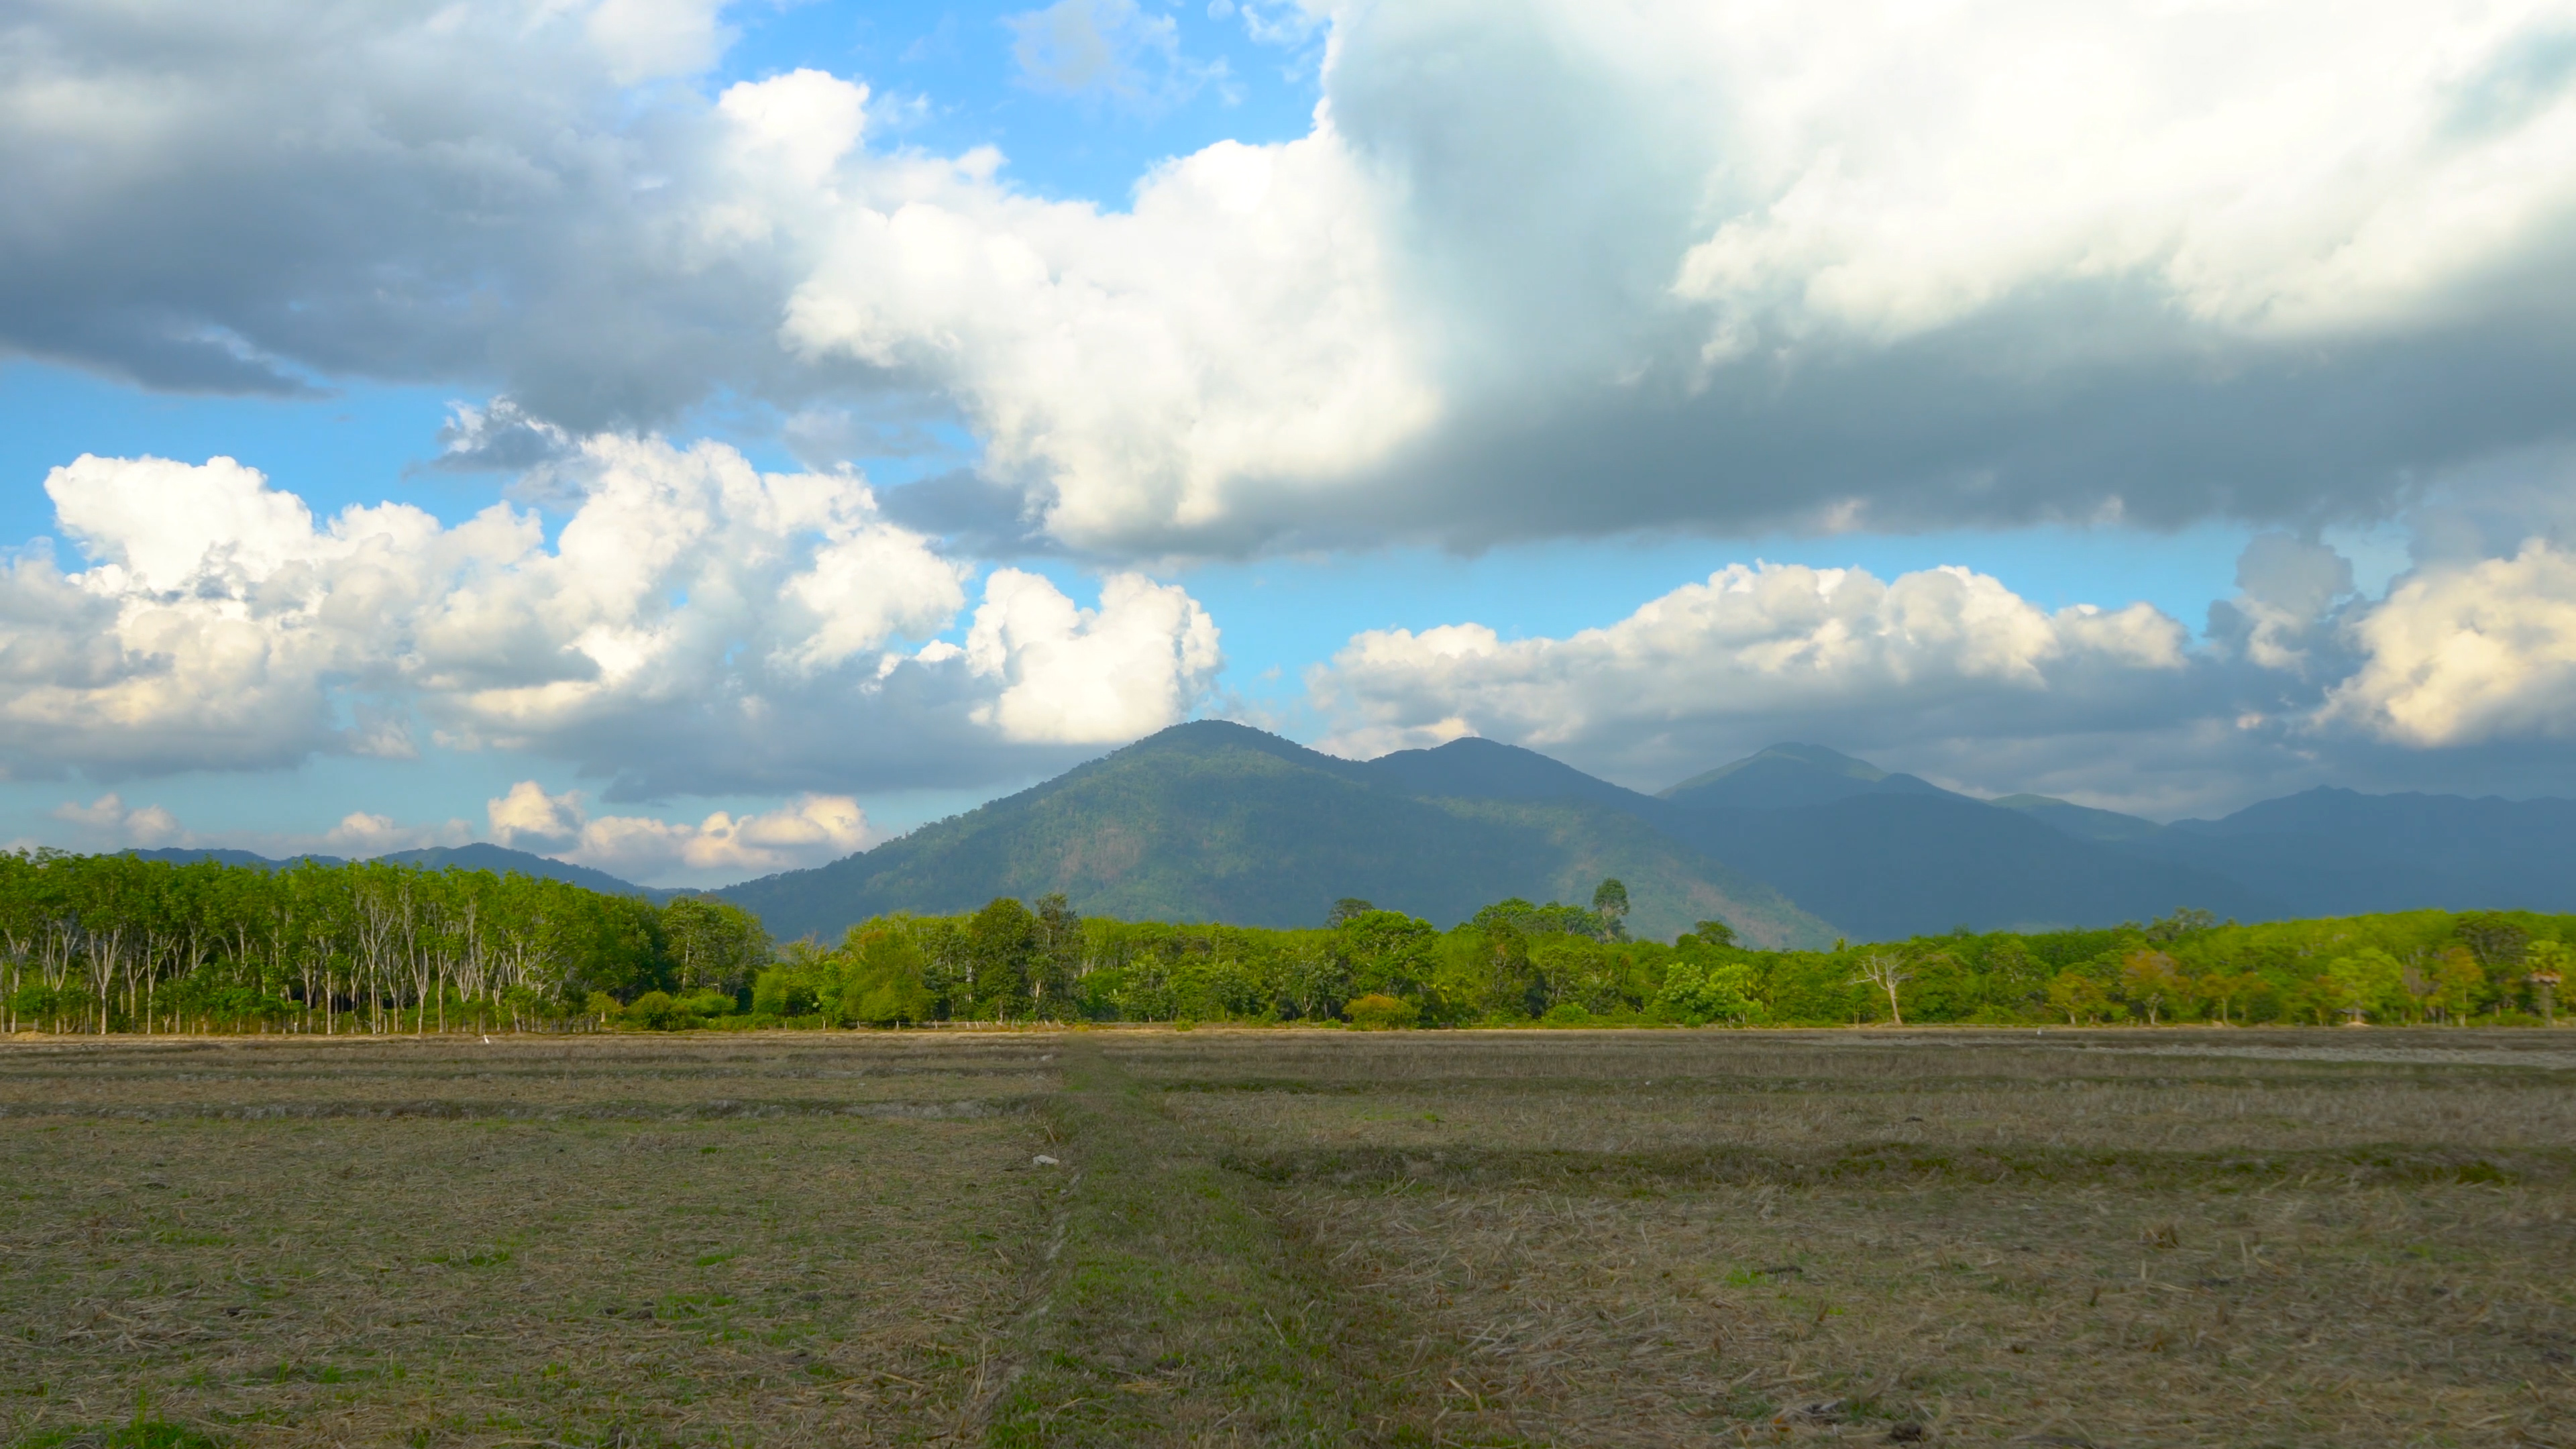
[
  {"x": 1001, "y": 942},
  {"x": 1610, "y": 903}
]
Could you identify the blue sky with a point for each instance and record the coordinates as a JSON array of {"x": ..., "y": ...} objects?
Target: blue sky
[{"x": 1552, "y": 320}]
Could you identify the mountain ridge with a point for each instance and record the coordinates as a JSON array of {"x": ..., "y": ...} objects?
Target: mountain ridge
[
  {"x": 1216, "y": 821},
  {"x": 1800, "y": 839}
]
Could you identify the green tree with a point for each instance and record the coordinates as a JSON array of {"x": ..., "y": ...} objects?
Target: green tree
[
  {"x": 1055, "y": 959},
  {"x": 1610, "y": 903},
  {"x": 2459, "y": 984},
  {"x": 1715, "y": 933},
  {"x": 2150, "y": 982},
  {"x": 2079, "y": 995},
  {"x": 1001, "y": 948},
  {"x": 884, "y": 985},
  {"x": 713, "y": 945},
  {"x": 1348, "y": 908},
  {"x": 1698, "y": 992},
  {"x": 2369, "y": 982}
]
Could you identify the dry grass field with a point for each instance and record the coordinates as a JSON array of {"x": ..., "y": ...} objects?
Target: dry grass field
[
  {"x": 599, "y": 1240},
  {"x": 1565, "y": 1238}
]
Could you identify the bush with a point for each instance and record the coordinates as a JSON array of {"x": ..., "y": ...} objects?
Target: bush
[
  {"x": 657, "y": 1011},
  {"x": 1700, "y": 994},
  {"x": 1375, "y": 1012},
  {"x": 788, "y": 991},
  {"x": 708, "y": 1003},
  {"x": 1567, "y": 1013}
]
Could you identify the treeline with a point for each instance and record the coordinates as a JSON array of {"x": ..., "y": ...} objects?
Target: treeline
[
  {"x": 112, "y": 943},
  {"x": 1519, "y": 963},
  {"x": 119, "y": 944}
]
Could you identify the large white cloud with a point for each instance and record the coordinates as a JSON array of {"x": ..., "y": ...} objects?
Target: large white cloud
[
  {"x": 2460, "y": 677},
  {"x": 1078, "y": 676},
  {"x": 1754, "y": 653},
  {"x": 696, "y": 625},
  {"x": 2461, "y": 653},
  {"x": 805, "y": 831},
  {"x": 1537, "y": 267}
]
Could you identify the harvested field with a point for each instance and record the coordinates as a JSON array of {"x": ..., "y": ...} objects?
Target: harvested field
[
  {"x": 542, "y": 1240},
  {"x": 1565, "y": 1238}
]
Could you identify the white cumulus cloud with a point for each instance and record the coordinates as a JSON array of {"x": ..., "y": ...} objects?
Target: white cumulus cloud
[
  {"x": 1754, "y": 653},
  {"x": 107, "y": 822},
  {"x": 2460, "y": 653},
  {"x": 1070, "y": 675},
  {"x": 805, "y": 831},
  {"x": 694, "y": 618}
]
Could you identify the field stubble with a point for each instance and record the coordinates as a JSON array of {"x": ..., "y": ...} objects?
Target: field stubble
[
  {"x": 539, "y": 1240},
  {"x": 2118, "y": 1238}
]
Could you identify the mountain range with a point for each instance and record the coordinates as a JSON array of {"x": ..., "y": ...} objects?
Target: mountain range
[
  {"x": 1217, "y": 822},
  {"x": 1794, "y": 846}
]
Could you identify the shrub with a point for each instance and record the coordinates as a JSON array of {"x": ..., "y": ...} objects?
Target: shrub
[
  {"x": 1701, "y": 994},
  {"x": 657, "y": 1011},
  {"x": 786, "y": 991},
  {"x": 708, "y": 1003},
  {"x": 1375, "y": 1012}
]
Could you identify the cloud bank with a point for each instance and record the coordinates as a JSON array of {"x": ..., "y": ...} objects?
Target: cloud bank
[
  {"x": 1538, "y": 268},
  {"x": 1535, "y": 270},
  {"x": 2460, "y": 677}
]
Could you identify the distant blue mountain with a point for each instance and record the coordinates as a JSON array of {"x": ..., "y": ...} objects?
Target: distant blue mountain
[
  {"x": 499, "y": 860},
  {"x": 2081, "y": 821},
  {"x": 1784, "y": 777},
  {"x": 2332, "y": 852}
]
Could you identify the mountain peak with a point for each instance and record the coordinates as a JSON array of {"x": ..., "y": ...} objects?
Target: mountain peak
[{"x": 1800, "y": 758}]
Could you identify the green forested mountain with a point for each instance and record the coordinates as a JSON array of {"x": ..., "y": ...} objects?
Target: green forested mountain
[
  {"x": 1789, "y": 776},
  {"x": 1216, "y": 822},
  {"x": 1796, "y": 844},
  {"x": 2081, "y": 821}
]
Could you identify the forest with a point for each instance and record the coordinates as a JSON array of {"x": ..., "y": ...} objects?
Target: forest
[
  {"x": 112, "y": 943},
  {"x": 119, "y": 944}
]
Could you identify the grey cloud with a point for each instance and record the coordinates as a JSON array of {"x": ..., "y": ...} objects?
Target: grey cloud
[
  {"x": 500, "y": 438},
  {"x": 978, "y": 516},
  {"x": 474, "y": 194},
  {"x": 2301, "y": 576},
  {"x": 1976, "y": 426},
  {"x": 444, "y": 193}
]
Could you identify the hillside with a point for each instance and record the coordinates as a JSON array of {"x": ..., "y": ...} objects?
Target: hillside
[
  {"x": 1213, "y": 821},
  {"x": 1889, "y": 866},
  {"x": 500, "y": 860},
  {"x": 1796, "y": 843},
  {"x": 2331, "y": 852},
  {"x": 1789, "y": 776}
]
